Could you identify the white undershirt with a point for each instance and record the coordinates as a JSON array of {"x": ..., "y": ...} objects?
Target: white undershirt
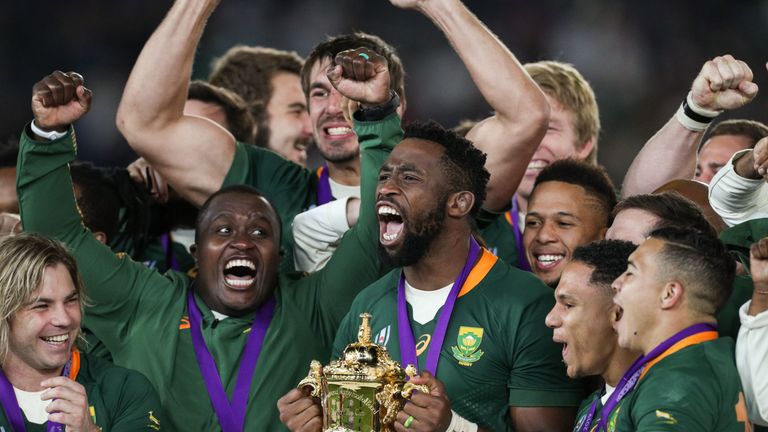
[
  {"x": 608, "y": 392},
  {"x": 340, "y": 191},
  {"x": 32, "y": 406},
  {"x": 425, "y": 304}
]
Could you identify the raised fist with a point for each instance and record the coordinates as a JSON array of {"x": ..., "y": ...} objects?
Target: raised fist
[
  {"x": 724, "y": 83},
  {"x": 59, "y": 100},
  {"x": 361, "y": 75}
]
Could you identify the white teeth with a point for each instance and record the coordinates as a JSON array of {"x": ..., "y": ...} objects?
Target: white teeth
[
  {"x": 239, "y": 282},
  {"x": 537, "y": 164},
  {"x": 390, "y": 237},
  {"x": 549, "y": 258},
  {"x": 240, "y": 263},
  {"x": 388, "y": 210},
  {"x": 57, "y": 339},
  {"x": 342, "y": 130}
]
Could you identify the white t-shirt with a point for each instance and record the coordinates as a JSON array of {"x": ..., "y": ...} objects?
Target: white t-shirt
[
  {"x": 32, "y": 406},
  {"x": 425, "y": 304}
]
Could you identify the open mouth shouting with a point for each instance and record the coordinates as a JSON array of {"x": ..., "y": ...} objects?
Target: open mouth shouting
[
  {"x": 239, "y": 273},
  {"x": 338, "y": 131},
  {"x": 390, "y": 224}
]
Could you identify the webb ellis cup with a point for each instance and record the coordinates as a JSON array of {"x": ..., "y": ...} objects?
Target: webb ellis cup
[{"x": 364, "y": 389}]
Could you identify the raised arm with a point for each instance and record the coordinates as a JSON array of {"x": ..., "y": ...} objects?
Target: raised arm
[
  {"x": 192, "y": 153},
  {"x": 723, "y": 83},
  {"x": 512, "y": 134}
]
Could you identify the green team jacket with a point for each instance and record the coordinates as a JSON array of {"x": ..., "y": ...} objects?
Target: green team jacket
[
  {"x": 119, "y": 399},
  {"x": 290, "y": 188},
  {"x": 695, "y": 389},
  {"x": 511, "y": 361},
  {"x": 141, "y": 315}
]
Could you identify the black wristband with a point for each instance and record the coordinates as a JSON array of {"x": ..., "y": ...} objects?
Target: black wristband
[
  {"x": 691, "y": 114},
  {"x": 378, "y": 112}
]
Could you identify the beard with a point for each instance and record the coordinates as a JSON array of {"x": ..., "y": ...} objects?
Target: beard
[{"x": 417, "y": 241}]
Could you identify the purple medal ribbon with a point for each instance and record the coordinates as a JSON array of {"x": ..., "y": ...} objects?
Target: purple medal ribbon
[
  {"x": 13, "y": 410},
  {"x": 632, "y": 375},
  {"x": 231, "y": 417},
  {"x": 170, "y": 257},
  {"x": 324, "y": 187},
  {"x": 407, "y": 342},
  {"x": 522, "y": 262}
]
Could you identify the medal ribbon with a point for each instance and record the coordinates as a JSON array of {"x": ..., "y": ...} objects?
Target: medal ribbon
[
  {"x": 170, "y": 257},
  {"x": 407, "y": 342},
  {"x": 324, "y": 194},
  {"x": 11, "y": 404},
  {"x": 692, "y": 335},
  {"x": 514, "y": 219},
  {"x": 231, "y": 417}
]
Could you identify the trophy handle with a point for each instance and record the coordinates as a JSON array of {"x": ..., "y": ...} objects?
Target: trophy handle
[
  {"x": 313, "y": 380},
  {"x": 409, "y": 387}
]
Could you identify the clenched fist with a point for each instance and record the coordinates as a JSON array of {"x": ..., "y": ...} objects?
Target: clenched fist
[{"x": 59, "y": 100}]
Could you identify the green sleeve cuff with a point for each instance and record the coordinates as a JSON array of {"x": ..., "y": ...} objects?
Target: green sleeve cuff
[
  {"x": 238, "y": 171},
  {"x": 57, "y": 153}
]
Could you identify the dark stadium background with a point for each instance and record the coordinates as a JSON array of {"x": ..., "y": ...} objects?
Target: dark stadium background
[{"x": 640, "y": 56}]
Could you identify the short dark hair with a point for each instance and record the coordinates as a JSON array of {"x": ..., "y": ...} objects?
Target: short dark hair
[
  {"x": 248, "y": 71},
  {"x": 701, "y": 261},
  {"x": 463, "y": 164},
  {"x": 671, "y": 208},
  {"x": 592, "y": 178},
  {"x": 336, "y": 44},
  {"x": 608, "y": 260},
  {"x": 239, "y": 189},
  {"x": 239, "y": 119},
  {"x": 754, "y": 130},
  {"x": 98, "y": 202}
]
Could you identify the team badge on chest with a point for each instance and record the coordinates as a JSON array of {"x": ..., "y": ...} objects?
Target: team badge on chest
[{"x": 467, "y": 350}]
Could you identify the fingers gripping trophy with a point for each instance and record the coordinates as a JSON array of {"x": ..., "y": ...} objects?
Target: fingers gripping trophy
[{"x": 364, "y": 389}]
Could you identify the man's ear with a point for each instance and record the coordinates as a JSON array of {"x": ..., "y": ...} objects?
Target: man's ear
[
  {"x": 583, "y": 152},
  {"x": 672, "y": 294},
  {"x": 100, "y": 236},
  {"x": 460, "y": 204}
]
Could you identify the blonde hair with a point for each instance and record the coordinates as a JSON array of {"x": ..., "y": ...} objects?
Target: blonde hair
[
  {"x": 23, "y": 260},
  {"x": 562, "y": 82}
]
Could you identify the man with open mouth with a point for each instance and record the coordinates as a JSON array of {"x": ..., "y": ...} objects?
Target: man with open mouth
[
  {"x": 582, "y": 319},
  {"x": 45, "y": 381},
  {"x": 570, "y": 206},
  {"x": 667, "y": 299},
  {"x": 240, "y": 327}
]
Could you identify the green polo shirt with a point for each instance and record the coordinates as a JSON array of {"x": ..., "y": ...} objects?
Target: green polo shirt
[
  {"x": 512, "y": 361},
  {"x": 119, "y": 399},
  {"x": 141, "y": 315}
]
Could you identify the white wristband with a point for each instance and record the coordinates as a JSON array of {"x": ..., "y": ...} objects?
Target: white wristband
[
  {"x": 460, "y": 424},
  {"x": 699, "y": 110},
  {"x": 51, "y": 135},
  {"x": 689, "y": 123}
]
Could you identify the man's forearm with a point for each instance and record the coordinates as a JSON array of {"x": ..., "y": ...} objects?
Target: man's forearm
[
  {"x": 512, "y": 135},
  {"x": 670, "y": 154},
  {"x": 152, "y": 98}
]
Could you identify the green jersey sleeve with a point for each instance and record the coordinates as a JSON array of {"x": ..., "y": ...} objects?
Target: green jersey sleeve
[
  {"x": 355, "y": 263},
  {"x": 117, "y": 287}
]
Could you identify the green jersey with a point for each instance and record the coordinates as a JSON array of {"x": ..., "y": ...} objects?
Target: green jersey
[
  {"x": 694, "y": 389},
  {"x": 511, "y": 360},
  {"x": 738, "y": 239},
  {"x": 584, "y": 410},
  {"x": 141, "y": 315},
  {"x": 290, "y": 188},
  {"x": 499, "y": 236},
  {"x": 119, "y": 399}
]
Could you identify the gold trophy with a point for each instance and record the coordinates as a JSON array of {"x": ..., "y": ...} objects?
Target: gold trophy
[{"x": 364, "y": 389}]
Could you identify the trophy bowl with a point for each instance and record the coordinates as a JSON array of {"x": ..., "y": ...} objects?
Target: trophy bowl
[{"x": 364, "y": 389}]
